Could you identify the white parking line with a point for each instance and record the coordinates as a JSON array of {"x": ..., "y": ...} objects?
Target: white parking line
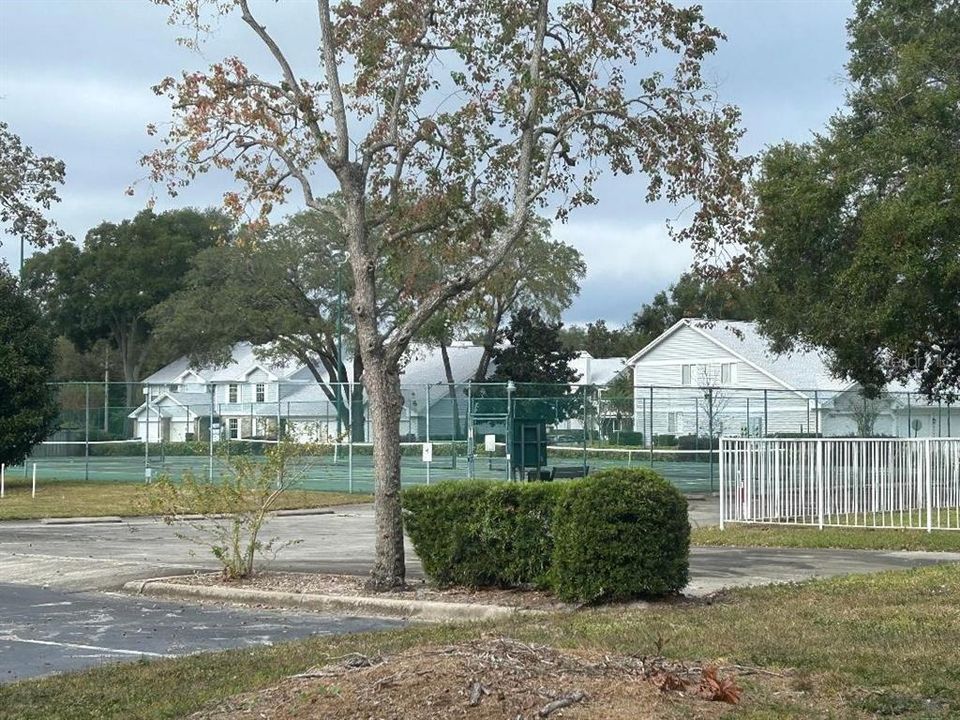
[{"x": 75, "y": 646}]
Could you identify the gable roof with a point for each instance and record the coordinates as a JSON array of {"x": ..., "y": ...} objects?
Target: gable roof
[
  {"x": 800, "y": 370},
  {"x": 243, "y": 362},
  {"x": 597, "y": 371}
]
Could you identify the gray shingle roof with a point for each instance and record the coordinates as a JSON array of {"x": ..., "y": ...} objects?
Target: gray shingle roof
[{"x": 801, "y": 369}]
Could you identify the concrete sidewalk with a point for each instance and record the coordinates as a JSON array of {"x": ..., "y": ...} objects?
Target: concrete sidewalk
[{"x": 106, "y": 556}]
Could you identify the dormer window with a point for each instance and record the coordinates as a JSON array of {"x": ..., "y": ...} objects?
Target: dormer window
[{"x": 233, "y": 393}]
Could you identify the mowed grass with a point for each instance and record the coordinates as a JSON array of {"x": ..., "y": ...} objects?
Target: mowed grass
[
  {"x": 809, "y": 537},
  {"x": 92, "y": 499},
  {"x": 855, "y": 647}
]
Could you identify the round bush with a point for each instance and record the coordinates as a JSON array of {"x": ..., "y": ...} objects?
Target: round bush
[
  {"x": 481, "y": 533},
  {"x": 620, "y": 534}
]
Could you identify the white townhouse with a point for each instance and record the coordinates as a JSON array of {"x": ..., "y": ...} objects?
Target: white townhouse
[
  {"x": 248, "y": 397},
  {"x": 594, "y": 372},
  {"x": 721, "y": 375}
]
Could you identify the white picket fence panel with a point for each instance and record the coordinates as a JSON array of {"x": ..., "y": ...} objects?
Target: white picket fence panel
[{"x": 841, "y": 482}]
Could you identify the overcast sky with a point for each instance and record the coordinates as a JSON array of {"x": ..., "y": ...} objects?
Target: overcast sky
[{"x": 75, "y": 78}]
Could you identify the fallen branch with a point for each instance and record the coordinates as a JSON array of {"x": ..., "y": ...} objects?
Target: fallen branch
[
  {"x": 560, "y": 703},
  {"x": 477, "y": 691}
]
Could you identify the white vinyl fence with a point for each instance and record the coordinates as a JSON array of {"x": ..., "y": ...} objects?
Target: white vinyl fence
[{"x": 841, "y": 482}]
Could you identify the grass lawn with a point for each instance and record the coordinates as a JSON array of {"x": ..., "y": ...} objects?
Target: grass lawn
[
  {"x": 810, "y": 537},
  {"x": 72, "y": 499},
  {"x": 856, "y": 647}
]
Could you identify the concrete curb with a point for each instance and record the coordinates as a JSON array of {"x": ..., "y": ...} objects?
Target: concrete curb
[
  {"x": 81, "y": 520},
  {"x": 423, "y": 610}
]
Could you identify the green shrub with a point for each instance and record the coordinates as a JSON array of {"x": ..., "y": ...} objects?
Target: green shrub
[
  {"x": 665, "y": 440},
  {"x": 618, "y": 535},
  {"x": 697, "y": 442},
  {"x": 483, "y": 534},
  {"x": 627, "y": 437}
]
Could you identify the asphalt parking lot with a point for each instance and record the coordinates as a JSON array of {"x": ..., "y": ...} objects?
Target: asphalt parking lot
[
  {"x": 45, "y": 631},
  {"x": 60, "y": 610}
]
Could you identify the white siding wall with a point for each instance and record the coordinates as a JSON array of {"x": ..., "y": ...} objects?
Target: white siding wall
[{"x": 684, "y": 410}]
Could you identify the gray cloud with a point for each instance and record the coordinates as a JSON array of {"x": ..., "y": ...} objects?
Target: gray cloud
[{"x": 75, "y": 82}]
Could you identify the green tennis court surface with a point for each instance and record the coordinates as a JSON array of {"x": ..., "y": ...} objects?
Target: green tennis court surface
[{"x": 340, "y": 474}]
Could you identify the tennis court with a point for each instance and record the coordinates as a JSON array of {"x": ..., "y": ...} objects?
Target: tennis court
[{"x": 346, "y": 471}]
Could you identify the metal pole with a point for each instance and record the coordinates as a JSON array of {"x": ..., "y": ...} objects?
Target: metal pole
[
  {"x": 339, "y": 388},
  {"x": 816, "y": 410},
  {"x": 106, "y": 391},
  {"x": 471, "y": 449},
  {"x": 710, "y": 430},
  {"x": 210, "y": 432},
  {"x": 929, "y": 485},
  {"x": 651, "y": 425},
  {"x": 585, "y": 420},
  {"x": 508, "y": 435},
  {"x": 350, "y": 440},
  {"x": 280, "y": 411},
  {"x": 428, "y": 431},
  {"x": 86, "y": 434},
  {"x": 909, "y": 418},
  {"x": 766, "y": 421},
  {"x": 146, "y": 437},
  {"x": 723, "y": 482},
  {"x": 820, "y": 483}
]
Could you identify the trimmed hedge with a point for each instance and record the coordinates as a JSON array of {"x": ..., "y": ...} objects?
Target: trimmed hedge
[
  {"x": 618, "y": 535},
  {"x": 697, "y": 442},
  {"x": 628, "y": 437},
  {"x": 483, "y": 534}
]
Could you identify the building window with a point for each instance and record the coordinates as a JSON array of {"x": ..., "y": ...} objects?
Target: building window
[
  {"x": 233, "y": 428},
  {"x": 726, "y": 373},
  {"x": 260, "y": 392},
  {"x": 671, "y": 422},
  {"x": 685, "y": 374},
  {"x": 233, "y": 392}
]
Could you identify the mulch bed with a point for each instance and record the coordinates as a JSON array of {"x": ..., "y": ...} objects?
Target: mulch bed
[{"x": 492, "y": 678}]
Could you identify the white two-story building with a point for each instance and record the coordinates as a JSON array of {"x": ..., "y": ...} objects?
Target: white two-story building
[{"x": 720, "y": 376}]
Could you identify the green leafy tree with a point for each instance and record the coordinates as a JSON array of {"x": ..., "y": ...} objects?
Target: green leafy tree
[
  {"x": 534, "y": 358},
  {"x": 28, "y": 409},
  {"x": 28, "y": 187},
  {"x": 718, "y": 296},
  {"x": 540, "y": 272},
  {"x": 602, "y": 341},
  {"x": 713, "y": 295},
  {"x": 106, "y": 289},
  {"x": 616, "y": 405},
  {"x": 432, "y": 118},
  {"x": 280, "y": 288},
  {"x": 856, "y": 248}
]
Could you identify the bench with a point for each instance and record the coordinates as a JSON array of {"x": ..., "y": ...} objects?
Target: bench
[
  {"x": 558, "y": 471},
  {"x": 569, "y": 471}
]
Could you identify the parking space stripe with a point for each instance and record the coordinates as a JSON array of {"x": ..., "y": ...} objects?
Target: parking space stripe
[{"x": 77, "y": 646}]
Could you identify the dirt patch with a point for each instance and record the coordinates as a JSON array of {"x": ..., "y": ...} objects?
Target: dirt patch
[
  {"x": 485, "y": 680},
  {"x": 353, "y": 586}
]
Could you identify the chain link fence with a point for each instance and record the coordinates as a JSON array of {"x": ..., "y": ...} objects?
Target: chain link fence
[{"x": 123, "y": 433}]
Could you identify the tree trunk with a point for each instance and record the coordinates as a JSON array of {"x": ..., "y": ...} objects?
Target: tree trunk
[
  {"x": 382, "y": 383},
  {"x": 451, "y": 384}
]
